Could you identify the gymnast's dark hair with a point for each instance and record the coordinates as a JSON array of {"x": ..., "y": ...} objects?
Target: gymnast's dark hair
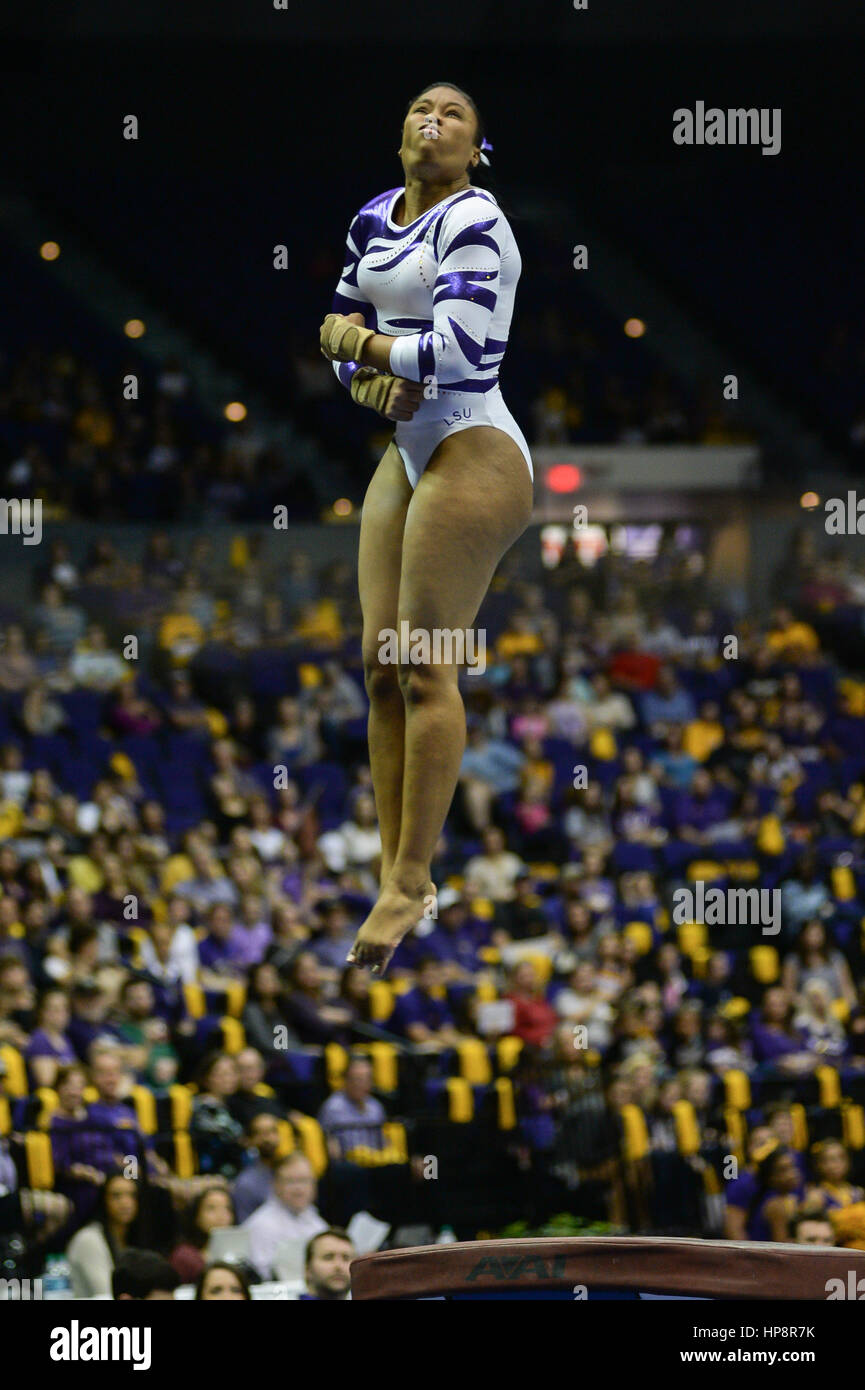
[{"x": 479, "y": 173}]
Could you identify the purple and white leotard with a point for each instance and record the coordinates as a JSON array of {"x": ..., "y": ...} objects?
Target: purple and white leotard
[{"x": 444, "y": 288}]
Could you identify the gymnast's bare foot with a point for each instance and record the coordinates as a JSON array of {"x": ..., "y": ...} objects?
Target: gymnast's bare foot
[{"x": 402, "y": 903}]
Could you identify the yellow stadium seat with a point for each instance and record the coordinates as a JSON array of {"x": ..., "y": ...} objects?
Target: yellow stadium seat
[
  {"x": 507, "y": 1110},
  {"x": 636, "y": 1133},
  {"x": 765, "y": 965},
  {"x": 705, "y": 871},
  {"x": 461, "y": 1100},
  {"x": 184, "y": 1155},
  {"x": 381, "y": 1000},
  {"x": 734, "y": 1123},
  {"x": 385, "y": 1066},
  {"x": 700, "y": 958},
  {"x": 841, "y": 1009},
  {"x": 490, "y": 955},
  {"x": 543, "y": 966},
  {"x": 737, "y": 1007},
  {"x": 843, "y": 883},
  {"x": 603, "y": 746},
  {"x": 770, "y": 836},
  {"x": 508, "y": 1051},
  {"x": 145, "y": 1109},
  {"x": 830, "y": 1087},
  {"x": 16, "y": 1071},
  {"x": 286, "y": 1139},
  {"x": 744, "y": 870},
  {"x": 181, "y": 1106},
  {"x": 196, "y": 1005},
  {"x": 474, "y": 1062},
  {"x": 235, "y": 998},
  {"x": 39, "y": 1159},
  {"x": 482, "y": 908},
  {"x": 5, "y": 1117},
  {"x": 486, "y": 992},
  {"x": 800, "y": 1127},
  {"x": 335, "y": 1063},
  {"x": 641, "y": 935},
  {"x": 90, "y": 1095},
  {"x": 853, "y": 1125},
  {"x": 737, "y": 1089},
  {"x": 176, "y": 869},
  {"x": 687, "y": 1128},
  {"x": 137, "y": 936},
  {"x": 691, "y": 936},
  {"x": 233, "y": 1035},
  {"x": 396, "y": 1141},
  {"x": 312, "y": 1142}
]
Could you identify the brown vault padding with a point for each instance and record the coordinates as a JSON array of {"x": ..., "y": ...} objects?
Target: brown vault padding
[{"x": 695, "y": 1268}]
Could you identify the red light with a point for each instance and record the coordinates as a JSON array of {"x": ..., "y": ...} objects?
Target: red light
[{"x": 564, "y": 477}]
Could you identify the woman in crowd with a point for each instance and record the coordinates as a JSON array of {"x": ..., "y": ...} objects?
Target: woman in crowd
[
  {"x": 221, "y": 1281},
  {"x": 94, "y": 1250},
  {"x": 815, "y": 959},
  {"x": 778, "y": 1193},
  {"x": 313, "y": 1016},
  {"x": 212, "y": 1210},
  {"x": 49, "y": 1047},
  {"x": 214, "y": 1131},
  {"x": 831, "y": 1163}
]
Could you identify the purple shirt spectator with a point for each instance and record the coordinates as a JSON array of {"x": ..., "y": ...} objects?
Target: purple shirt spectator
[{"x": 416, "y": 1006}]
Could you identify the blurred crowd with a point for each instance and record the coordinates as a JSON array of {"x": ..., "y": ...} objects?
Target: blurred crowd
[
  {"x": 189, "y": 844},
  {"x": 70, "y": 436}
]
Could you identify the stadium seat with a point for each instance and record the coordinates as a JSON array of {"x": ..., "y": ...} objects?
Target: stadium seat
[
  {"x": 765, "y": 965},
  {"x": 507, "y": 1112},
  {"x": 16, "y": 1070},
  {"x": 474, "y": 1062},
  {"x": 737, "y": 1089},
  {"x": 39, "y": 1160},
  {"x": 635, "y": 1144},
  {"x": 312, "y": 1142},
  {"x": 508, "y": 1051},
  {"x": 461, "y": 1102}
]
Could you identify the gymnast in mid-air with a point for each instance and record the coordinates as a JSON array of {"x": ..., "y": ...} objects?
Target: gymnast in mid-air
[{"x": 418, "y": 332}]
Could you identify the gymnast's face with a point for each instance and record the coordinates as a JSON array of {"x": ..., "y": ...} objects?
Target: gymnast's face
[{"x": 446, "y": 157}]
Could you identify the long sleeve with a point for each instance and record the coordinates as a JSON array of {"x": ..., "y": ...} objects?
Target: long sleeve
[
  {"x": 90, "y": 1263},
  {"x": 464, "y": 300},
  {"x": 348, "y": 299}
]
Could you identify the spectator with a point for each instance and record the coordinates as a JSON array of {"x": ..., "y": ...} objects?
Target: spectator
[
  {"x": 254, "y": 1184},
  {"x": 534, "y": 1018},
  {"x": 144, "y": 1276},
  {"x": 422, "y": 1015},
  {"x": 328, "y": 1266},
  {"x": 493, "y": 873},
  {"x": 310, "y": 1013},
  {"x": 352, "y": 1118},
  {"x": 222, "y": 1282},
  {"x": 93, "y": 1253},
  {"x": 289, "y": 1214},
  {"x": 212, "y": 1210},
  {"x": 213, "y": 1129}
]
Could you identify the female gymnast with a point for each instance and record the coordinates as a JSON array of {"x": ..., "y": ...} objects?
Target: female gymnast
[{"x": 418, "y": 330}]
